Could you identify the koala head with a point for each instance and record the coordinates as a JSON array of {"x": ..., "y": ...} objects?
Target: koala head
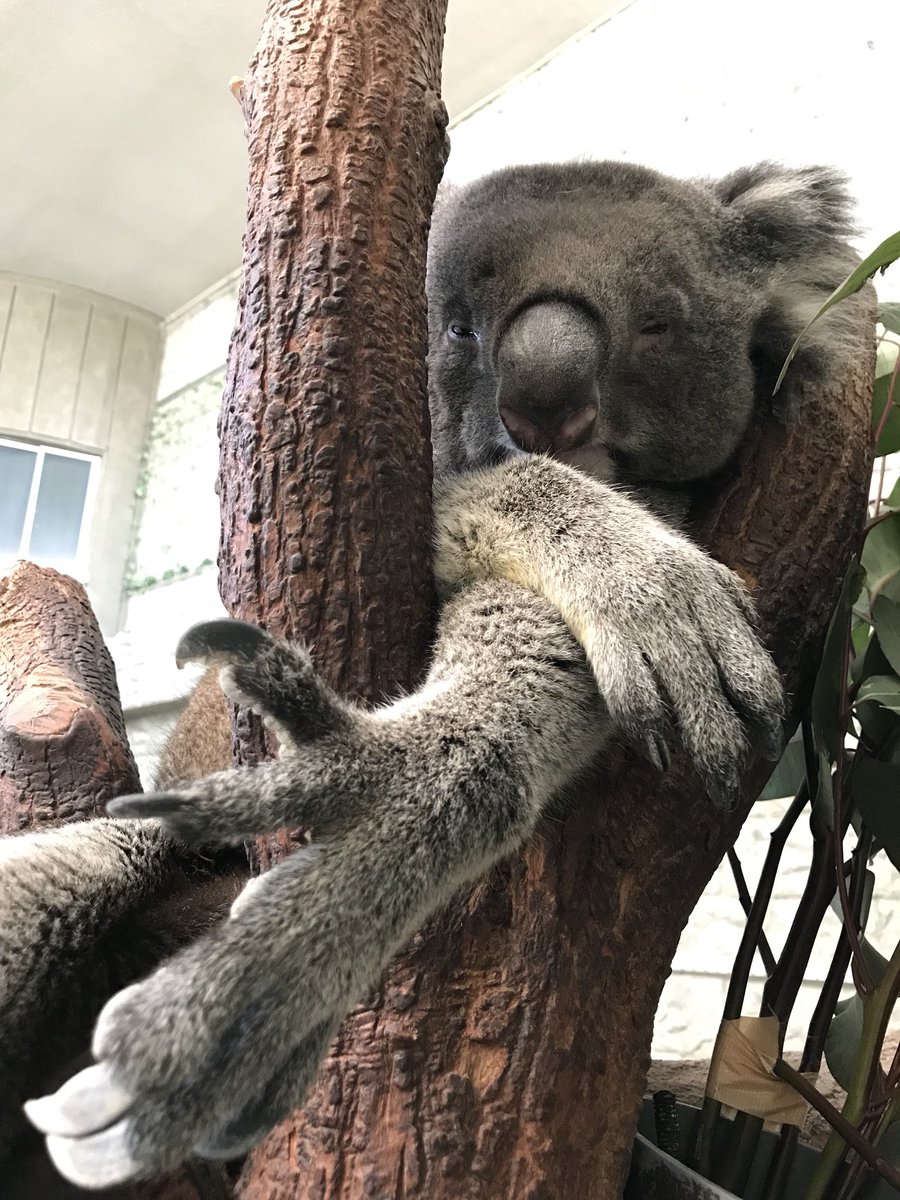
[{"x": 626, "y": 322}]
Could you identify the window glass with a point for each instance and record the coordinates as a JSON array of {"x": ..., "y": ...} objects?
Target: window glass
[
  {"x": 60, "y": 507},
  {"x": 16, "y": 471}
]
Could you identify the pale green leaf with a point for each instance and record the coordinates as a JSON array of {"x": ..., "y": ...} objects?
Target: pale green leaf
[
  {"x": 882, "y": 256},
  {"x": 885, "y": 689},
  {"x": 829, "y": 686},
  {"x": 881, "y": 554},
  {"x": 886, "y": 615},
  {"x": 889, "y": 315},
  {"x": 845, "y": 1032},
  {"x": 788, "y": 775},
  {"x": 875, "y": 788}
]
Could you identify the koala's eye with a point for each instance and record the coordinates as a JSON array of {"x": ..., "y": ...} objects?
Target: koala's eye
[
  {"x": 654, "y": 327},
  {"x": 463, "y": 333}
]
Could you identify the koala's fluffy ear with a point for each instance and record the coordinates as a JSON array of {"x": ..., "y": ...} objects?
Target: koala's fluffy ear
[{"x": 791, "y": 226}]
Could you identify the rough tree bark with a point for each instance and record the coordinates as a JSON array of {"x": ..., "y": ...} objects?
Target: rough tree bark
[
  {"x": 63, "y": 747},
  {"x": 504, "y": 1053}
]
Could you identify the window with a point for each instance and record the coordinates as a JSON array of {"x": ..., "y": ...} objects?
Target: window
[{"x": 45, "y": 502}]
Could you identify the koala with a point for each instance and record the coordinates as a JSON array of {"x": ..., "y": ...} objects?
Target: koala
[{"x": 601, "y": 337}]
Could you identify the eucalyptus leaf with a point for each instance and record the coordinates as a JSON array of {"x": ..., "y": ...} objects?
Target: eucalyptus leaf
[
  {"x": 866, "y": 653},
  {"x": 889, "y": 316},
  {"x": 821, "y": 813},
  {"x": 843, "y": 1039},
  {"x": 886, "y": 352},
  {"x": 845, "y": 1031},
  {"x": 885, "y": 689},
  {"x": 788, "y": 775},
  {"x": 875, "y": 788},
  {"x": 882, "y": 256},
  {"x": 879, "y": 724},
  {"x": 885, "y": 390},
  {"x": 892, "y": 500},
  {"x": 889, "y": 1150},
  {"x": 881, "y": 555},
  {"x": 886, "y": 615},
  {"x": 829, "y": 686}
]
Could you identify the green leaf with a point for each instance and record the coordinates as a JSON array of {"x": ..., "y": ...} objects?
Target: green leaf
[
  {"x": 882, "y": 256},
  {"x": 845, "y": 1031},
  {"x": 881, "y": 556},
  {"x": 875, "y": 788},
  {"x": 790, "y": 772},
  {"x": 893, "y": 499},
  {"x": 829, "y": 686},
  {"x": 886, "y": 615},
  {"x": 886, "y": 352},
  {"x": 843, "y": 1038},
  {"x": 889, "y": 1150},
  {"x": 889, "y": 316},
  {"x": 885, "y": 689},
  {"x": 884, "y": 390},
  {"x": 879, "y": 724}
]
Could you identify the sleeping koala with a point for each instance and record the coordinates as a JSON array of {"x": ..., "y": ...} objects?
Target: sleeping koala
[{"x": 600, "y": 338}]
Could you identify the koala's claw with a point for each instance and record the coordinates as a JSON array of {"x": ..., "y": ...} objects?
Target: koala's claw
[
  {"x": 86, "y": 1103},
  {"x": 657, "y": 751},
  {"x": 224, "y": 641},
  {"x": 87, "y": 1139},
  {"x": 141, "y": 805}
]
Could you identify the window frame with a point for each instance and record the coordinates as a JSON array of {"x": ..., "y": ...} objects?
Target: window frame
[{"x": 79, "y": 564}]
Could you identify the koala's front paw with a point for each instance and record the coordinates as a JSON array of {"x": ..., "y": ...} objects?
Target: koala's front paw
[
  {"x": 210, "y": 1051},
  {"x": 272, "y": 678},
  {"x": 677, "y": 645}
]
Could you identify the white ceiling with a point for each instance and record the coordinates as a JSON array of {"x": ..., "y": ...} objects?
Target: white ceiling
[{"x": 122, "y": 151}]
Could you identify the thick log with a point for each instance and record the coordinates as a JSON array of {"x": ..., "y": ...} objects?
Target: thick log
[
  {"x": 63, "y": 753},
  {"x": 63, "y": 747}
]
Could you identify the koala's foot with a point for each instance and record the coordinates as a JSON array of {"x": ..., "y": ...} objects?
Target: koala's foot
[
  {"x": 90, "y": 1127},
  {"x": 216, "y": 1046}
]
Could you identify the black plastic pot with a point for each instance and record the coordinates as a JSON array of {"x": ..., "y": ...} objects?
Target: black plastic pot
[{"x": 656, "y": 1175}]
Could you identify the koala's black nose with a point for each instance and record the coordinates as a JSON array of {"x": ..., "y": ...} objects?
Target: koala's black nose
[{"x": 549, "y": 363}]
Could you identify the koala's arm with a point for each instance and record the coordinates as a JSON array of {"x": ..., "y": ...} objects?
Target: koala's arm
[
  {"x": 668, "y": 631},
  {"x": 406, "y": 804}
]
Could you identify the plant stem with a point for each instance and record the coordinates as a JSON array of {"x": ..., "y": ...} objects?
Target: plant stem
[
  {"x": 820, "y": 1022},
  {"x": 737, "y": 871},
  {"x": 848, "y": 1132},
  {"x": 861, "y": 972},
  {"x": 701, "y": 1155},
  {"x": 877, "y": 1008}
]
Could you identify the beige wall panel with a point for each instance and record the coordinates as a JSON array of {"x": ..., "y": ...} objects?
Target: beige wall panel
[
  {"x": 23, "y": 354},
  {"x": 57, "y": 389},
  {"x": 99, "y": 378}
]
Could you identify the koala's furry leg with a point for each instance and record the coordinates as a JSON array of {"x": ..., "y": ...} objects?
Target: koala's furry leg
[
  {"x": 441, "y": 784},
  {"x": 61, "y": 891},
  {"x": 668, "y": 631}
]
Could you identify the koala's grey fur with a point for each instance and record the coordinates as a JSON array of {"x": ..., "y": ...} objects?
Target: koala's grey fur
[{"x": 571, "y": 611}]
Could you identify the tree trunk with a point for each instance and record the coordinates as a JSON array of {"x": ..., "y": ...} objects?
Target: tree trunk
[{"x": 505, "y": 1052}]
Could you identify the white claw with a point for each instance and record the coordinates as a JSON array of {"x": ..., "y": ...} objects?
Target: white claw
[
  {"x": 95, "y": 1162},
  {"x": 88, "y": 1101}
]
